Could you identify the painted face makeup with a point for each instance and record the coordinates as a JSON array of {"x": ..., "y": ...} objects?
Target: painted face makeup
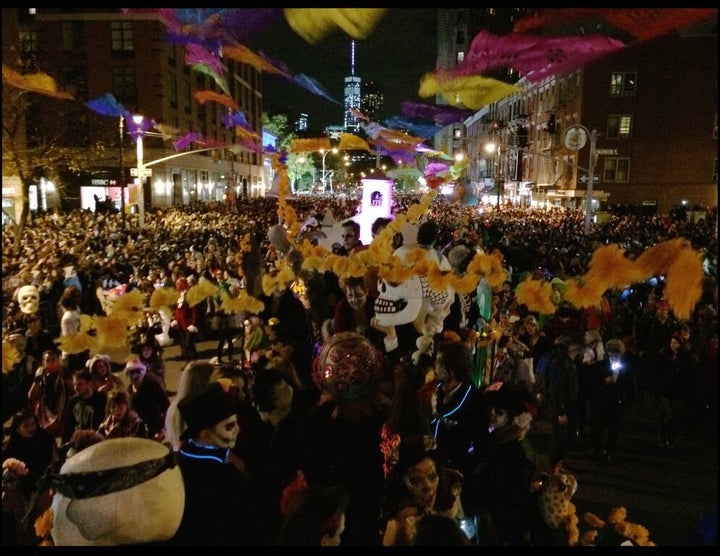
[
  {"x": 224, "y": 434},
  {"x": 422, "y": 481}
]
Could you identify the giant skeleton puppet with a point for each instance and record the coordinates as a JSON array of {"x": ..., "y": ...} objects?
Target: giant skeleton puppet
[{"x": 414, "y": 301}]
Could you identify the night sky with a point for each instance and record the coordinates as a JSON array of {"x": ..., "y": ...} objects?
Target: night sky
[{"x": 400, "y": 50}]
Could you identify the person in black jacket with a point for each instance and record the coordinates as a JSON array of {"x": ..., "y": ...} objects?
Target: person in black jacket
[
  {"x": 222, "y": 503},
  {"x": 500, "y": 485},
  {"x": 560, "y": 394},
  {"x": 290, "y": 327},
  {"x": 460, "y": 412}
]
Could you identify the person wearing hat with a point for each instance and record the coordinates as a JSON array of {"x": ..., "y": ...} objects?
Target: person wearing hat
[
  {"x": 100, "y": 366},
  {"x": 222, "y": 503},
  {"x": 499, "y": 488},
  {"x": 147, "y": 397},
  {"x": 149, "y": 351}
]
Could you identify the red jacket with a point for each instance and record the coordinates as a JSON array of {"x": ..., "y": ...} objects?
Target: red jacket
[{"x": 186, "y": 315}]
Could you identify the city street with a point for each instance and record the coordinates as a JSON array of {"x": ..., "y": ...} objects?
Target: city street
[{"x": 665, "y": 492}]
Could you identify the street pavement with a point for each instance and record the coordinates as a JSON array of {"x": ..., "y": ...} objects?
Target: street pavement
[{"x": 667, "y": 492}]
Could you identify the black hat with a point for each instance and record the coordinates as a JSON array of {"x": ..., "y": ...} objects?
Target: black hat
[
  {"x": 511, "y": 398},
  {"x": 206, "y": 409}
]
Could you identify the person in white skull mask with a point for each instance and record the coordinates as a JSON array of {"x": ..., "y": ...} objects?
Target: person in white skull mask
[
  {"x": 28, "y": 299},
  {"x": 222, "y": 504}
]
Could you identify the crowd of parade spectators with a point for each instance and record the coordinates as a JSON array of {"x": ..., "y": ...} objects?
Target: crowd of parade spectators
[{"x": 87, "y": 251}]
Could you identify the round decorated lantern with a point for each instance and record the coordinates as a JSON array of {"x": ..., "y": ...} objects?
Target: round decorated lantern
[{"x": 349, "y": 367}]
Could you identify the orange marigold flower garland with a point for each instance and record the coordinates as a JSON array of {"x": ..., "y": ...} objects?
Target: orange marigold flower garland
[
  {"x": 43, "y": 526},
  {"x": 636, "y": 533}
]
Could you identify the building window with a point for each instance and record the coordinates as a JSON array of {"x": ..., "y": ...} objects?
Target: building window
[
  {"x": 619, "y": 127},
  {"x": 72, "y": 35},
  {"x": 124, "y": 85},
  {"x": 715, "y": 127},
  {"x": 172, "y": 54},
  {"x": 187, "y": 96},
  {"x": 715, "y": 171},
  {"x": 172, "y": 91},
  {"x": 28, "y": 39},
  {"x": 616, "y": 170},
  {"x": 622, "y": 84},
  {"x": 121, "y": 36}
]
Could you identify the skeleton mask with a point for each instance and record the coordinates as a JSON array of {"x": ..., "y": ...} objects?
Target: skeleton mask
[
  {"x": 224, "y": 434},
  {"x": 413, "y": 301},
  {"x": 29, "y": 299}
]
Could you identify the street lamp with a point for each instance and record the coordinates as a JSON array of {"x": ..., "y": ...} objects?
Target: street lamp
[
  {"x": 140, "y": 170},
  {"x": 460, "y": 186},
  {"x": 122, "y": 172},
  {"x": 494, "y": 149},
  {"x": 324, "y": 153},
  {"x": 300, "y": 160}
]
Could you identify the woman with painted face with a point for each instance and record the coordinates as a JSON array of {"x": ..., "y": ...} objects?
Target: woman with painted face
[
  {"x": 355, "y": 312},
  {"x": 222, "y": 504},
  {"x": 418, "y": 484}
]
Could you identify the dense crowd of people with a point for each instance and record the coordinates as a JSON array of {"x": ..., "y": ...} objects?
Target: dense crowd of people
[{"x": 414, "y": 450}]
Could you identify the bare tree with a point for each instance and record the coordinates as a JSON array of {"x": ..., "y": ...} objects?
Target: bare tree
[{"x": 35, "y": 144}]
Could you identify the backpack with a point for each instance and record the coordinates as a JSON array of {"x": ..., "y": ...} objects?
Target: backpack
[{"x": 542, "y": 370}]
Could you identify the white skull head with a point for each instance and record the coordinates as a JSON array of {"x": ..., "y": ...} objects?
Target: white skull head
[
  {"x": 412, "y": 301},
  {"x": 29, "y": 299},
  {"x": 398, "y": 304}
]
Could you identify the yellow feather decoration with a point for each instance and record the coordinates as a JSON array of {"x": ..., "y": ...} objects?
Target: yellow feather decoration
[
  {"x": 112, "y": 331},
  {"x": 163, "y": 297},
  {"x": 536, "y": 295},
  {"x": 77, "y": 343},
  {"x": 657, "y": 258},
  {"x": 584, "y": 291},
  {"x": 616, "y": 270},
  {"x": 684, "y": 282},
  {"x": 130, "y": 304},
  {"x": 340, "y": 267},
  {"x": 202, "y": 290}
]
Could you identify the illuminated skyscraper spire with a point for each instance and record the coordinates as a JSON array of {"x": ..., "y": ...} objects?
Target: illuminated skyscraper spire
[{"x": 352, "y": 93}]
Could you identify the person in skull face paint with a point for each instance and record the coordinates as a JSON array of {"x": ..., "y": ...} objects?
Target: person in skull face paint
[{"x": 222, "y": 503}]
